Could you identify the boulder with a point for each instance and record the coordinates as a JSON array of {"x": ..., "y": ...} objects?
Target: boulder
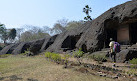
[
  {"x": 36, "y": 46},
  {"x": 126, "y": 55}
]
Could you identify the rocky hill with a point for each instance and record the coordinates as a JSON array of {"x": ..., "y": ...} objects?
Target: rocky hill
[{"x": 90, "y": 36}]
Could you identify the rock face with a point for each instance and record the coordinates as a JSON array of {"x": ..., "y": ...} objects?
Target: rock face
[
  {"x": 126, "y": 55},
  {"x": 92, "y": 35},
  {"x": 8, "y": 49},
  {"x": 21, "y": 48},
  {"x": 48, "y": 41},
  {"x": 36, "y": 46},
  {"x": 68, "y": 40}
]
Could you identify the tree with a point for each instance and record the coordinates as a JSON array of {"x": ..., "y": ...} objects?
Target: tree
[
  {"x": 12, "y": 34},
  {"x": 63, "y": 22},
  {"x": 33, "y": 33},
  {"x": 73, "y": 24},
  {"x": 19, "y": 31},
  {"x": 57, "y": 29},
  {"x": 3, "y": 33},
  {"x": 87, "y": 10}
]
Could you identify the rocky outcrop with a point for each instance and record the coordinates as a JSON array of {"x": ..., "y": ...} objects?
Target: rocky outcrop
[
  {"x": 48, "y": 41},
  {"x": 8, "y": 49},
  {"x": 21, "y": 48},
  {"x": 91, "y": 36},
  {"x": 68, "y": 40},
  {"x": 36, "y": 46}
]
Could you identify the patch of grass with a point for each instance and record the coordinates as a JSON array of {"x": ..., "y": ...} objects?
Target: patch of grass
[
  {"x": 132, "y": 72},
  {"x": 4, "y": 55},
  {"x": 98, "y": 57},
  {"x": 42, "y": 70}
]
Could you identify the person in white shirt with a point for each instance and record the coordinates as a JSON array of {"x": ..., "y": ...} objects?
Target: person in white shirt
[{"x": 112, "y": 50}]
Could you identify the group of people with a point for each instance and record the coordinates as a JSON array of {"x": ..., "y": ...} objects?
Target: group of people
[{"x": 114, "y": 48}]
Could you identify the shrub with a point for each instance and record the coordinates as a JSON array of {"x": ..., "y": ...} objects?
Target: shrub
[
  {"x": 53, "y": 56},
  {"x": 56, "y": 57},
  {"x": 48, "y": 55},
  {"x": 133, "y": 61},
  {"x": 27, "y": 53},
  {"x": 78, "y": 54}
]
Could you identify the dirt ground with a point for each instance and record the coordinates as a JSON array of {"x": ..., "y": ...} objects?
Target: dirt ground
[{"x": 21, "y": 68}]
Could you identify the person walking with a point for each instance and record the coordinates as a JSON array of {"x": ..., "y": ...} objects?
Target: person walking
[{"x": 112, "y": 50}]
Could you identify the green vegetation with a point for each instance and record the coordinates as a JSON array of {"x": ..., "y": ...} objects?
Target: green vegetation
[
  {"x": 65, "y": 59},
  {"x": 4, "y": 55},
  {"x": 134, "y": 62},
  {"x": 78, "y": 54},
  {"x": 58, "y": 58},
  {"x": 7, "y": 34},
  {"x": 132, "y": 72},
  {"x": 87, "y": 10},
  {"x": 27, "y": 53},
  {"x": 30, "y": 32},
  {"x": 48, "y": 54},
  {"x": 53, "y": 56}
]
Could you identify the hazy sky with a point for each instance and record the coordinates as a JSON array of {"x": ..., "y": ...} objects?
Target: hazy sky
[{"x": 16, "y": 13}]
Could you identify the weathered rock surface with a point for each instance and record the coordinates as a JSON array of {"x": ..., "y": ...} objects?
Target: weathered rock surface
[
  {"x": 68, "y": 40},
  {"x": 21, "y": 48},
  {"x": 91, "y": 36},
  {"x": 126, "y": 55},
  {"x": 8, "y": 49},
  {"x": 36, "y": 46},
  {"x": 48, "y": 41}
]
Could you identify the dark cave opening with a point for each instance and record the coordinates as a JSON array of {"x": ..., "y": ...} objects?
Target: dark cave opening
[
  {"x": 70, "y": 42},
  {"x": 110, "y": 31},
  {"x": 133, "y": 33}
]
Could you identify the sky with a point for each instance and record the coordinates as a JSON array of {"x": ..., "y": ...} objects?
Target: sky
[{"x": 16, "y": 13}]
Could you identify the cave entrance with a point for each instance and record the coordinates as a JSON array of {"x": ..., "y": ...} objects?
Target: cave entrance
[
  {"x": 124, "y": 33},
  {"x": 110, "y": 33},
  {"x": 70, "y": 42},
  {"x": 133, "y": 33},
  {"x": 111, "y": 27}
]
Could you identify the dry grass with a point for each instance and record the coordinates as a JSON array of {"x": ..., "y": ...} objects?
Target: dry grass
[{"x": 39, "y": 69}]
